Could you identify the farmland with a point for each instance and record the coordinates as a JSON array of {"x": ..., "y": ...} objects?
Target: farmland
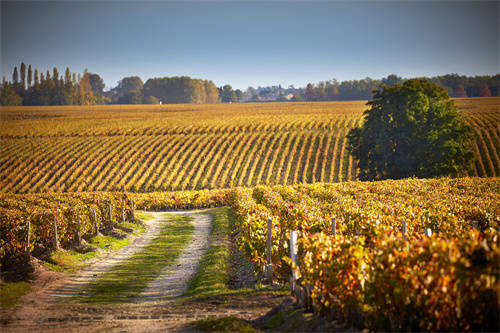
[
  {"x": 410, "y": 254},
  {"x": 189, "y": 147}
]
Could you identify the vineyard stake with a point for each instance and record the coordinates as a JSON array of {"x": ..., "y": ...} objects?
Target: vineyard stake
[
  {"x": 269, "y": 266},
  {"x": 334, "y": 226},
  {"x": 110, "y": 215},
  {"x": 28, "y": 241},
  {"x": 123, "y": 213},
  {"x": 96, "y": 227},
  {"x": 56, "y": 242},
  {"x": 78, "y": 233},
  {"x": 132, "y": 207},
  {"x": 293, "y": 256},
  {"x": 404, "y": 230}
]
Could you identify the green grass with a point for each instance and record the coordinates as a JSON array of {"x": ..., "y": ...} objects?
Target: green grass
[
  {"x": 67, "y": 260},
  {"x": 211, "y": 277},
  {"x": 109, "y": 242},
  {"x": 127, "y": 279},
  {"x": 70, "y": 261},
  {"x": 142, "y": 215},
  {"x": 11, "y": 292},
  {"x": 224, "y": 324}
]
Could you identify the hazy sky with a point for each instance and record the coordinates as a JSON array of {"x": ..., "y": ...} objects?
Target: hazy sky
[{"x": 252, "y": 43}]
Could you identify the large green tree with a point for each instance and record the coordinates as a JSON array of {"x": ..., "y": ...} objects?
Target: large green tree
[{"x": 411, "y": 130}]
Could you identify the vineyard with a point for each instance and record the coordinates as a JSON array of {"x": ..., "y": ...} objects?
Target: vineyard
[
  {"x": 408, "y": 254},
  {"x": 189, "y": 147}
]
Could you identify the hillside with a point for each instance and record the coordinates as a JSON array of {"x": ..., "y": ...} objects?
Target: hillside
[{"x": 183, "y": 147}]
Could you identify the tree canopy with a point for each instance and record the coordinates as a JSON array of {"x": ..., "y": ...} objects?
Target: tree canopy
[{"x": 411, "y": 130}]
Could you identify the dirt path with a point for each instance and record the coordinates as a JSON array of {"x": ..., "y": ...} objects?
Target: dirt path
[
  {"x": 45, "y": 304},
  {"x": 173, "y": 280}
]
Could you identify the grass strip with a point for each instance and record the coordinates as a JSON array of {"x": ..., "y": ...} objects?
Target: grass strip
[
  {"x": 11, "y": 292},
  {"x": 211, "y": 277},
  {"x": 129, "y": 278},
  {"x": 223, "y": 324},
  {"x": 70, "y": 260}
]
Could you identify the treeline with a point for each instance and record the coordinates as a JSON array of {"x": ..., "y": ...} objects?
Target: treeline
[
  {"x": 31, "y": 87},
  {"x": 178, "y": 89},
  {"x": 332, "y": 90}
]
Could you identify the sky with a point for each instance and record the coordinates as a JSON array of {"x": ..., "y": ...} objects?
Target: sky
[{"x": 252, "y": 43}]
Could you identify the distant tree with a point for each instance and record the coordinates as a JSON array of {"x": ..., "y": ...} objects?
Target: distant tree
[
  {"x": 85, "y": 90},
  {"x": 485, "y": 92},
  {"x": 239, "y": 94},
  {"x": 37, "y": 81},
  {"x": 15, "y": 76},
  {"x": 67, "y": 76},
  {"x": 212, "y": 92},
  {"x": 8, "y": 96},
  {"x": 55, "y": 76},
  {"x": 392, "y": 79},
  {"x": 97, "y": 85},
  {"x": 309, "y": 93},
  {"x": 411, "y": 130},
  {"x": 30, "y": 75},
  {"x": 296, "y": 97},
  {"x": 131, "y": 97},
  {"x": 23, "y": 75},
  {"x": 460, "y": 91},
  {"x": 332, "y": 92},
  {"x": 227, "y": 94},
  {"x": 151, "y": 100},
  {"x": 130, "y": 83}
]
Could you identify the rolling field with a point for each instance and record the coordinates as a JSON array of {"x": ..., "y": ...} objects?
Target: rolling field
[{"x": 184, "y": 147}]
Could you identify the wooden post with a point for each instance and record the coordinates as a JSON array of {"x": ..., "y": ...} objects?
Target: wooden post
[
  {"x": 404, "y": 229},
  {"x": 96, "y": 227},
  {"x": 56, "y": 241},
  {"x": 334, "y": 226},
  {"x": 132, "y": 208},
  {"x": 28, "y": 238},
  {"x": 110, "y": 215},
  {"x": 123, "y": 213},
  {"x": 269, "y": 266},
  {"x": 78, "y": 232},
  {"x": 293, "y": 256}
]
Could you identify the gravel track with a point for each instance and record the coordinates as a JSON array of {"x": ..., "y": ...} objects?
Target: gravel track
[
  {"x": 46, "y": 303},
  {"x": 174, "y": 279}
]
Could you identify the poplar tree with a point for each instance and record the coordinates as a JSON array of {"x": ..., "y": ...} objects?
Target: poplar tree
[
  {"x": 55, "y": 75},
  {"x": 67, "y": 76},
  {"x": 15, "y": 76},
  {"x": 23, "y": 75},
  {"x": 36, "y": 77},
  {"x": 30, "y": 75}
]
